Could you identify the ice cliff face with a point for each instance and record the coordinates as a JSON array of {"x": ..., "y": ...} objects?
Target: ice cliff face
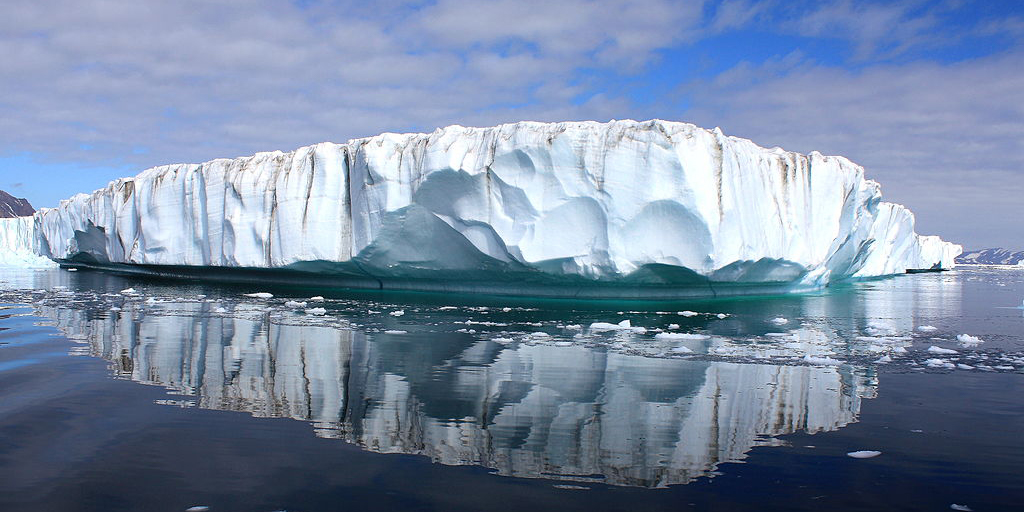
[
  {"x": 17, "y": 244},
  {"x": 629, "y": 203}
]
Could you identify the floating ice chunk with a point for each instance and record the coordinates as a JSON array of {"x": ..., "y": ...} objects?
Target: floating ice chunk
[
  {"x": 673, "y": 326},
  {"x": 927, "y": 328},
  {"x": 864, "y": 454},
  {"x": 539, "y": 335},
  {"x": 939, "y": 350},
  {"x": 126, "y": 291},
  {"x": 71, "y": 269},
  {"x": 151, "y": 300},
  {"x": 624, "y": 325},
  {"x": 395, "y": 331},
  {"x": 884, "y": 359},
  {"x": 115, "y": 308},
  {"x": 295, "y": 304},
  {"x": 506, "y": 309},
  {"x": 573, "y": 327},
  {"x": 316, "y": 311},
  {"x": 317, "y": 298},
  {"x": 399, "y": 312},
  {"x": 899, "y": 350},
  {"x": 220, "y": 310},
  {"x": 969, "y": 341},
  {"x": 721, "y": 315},
  {"x": 779, "y": 321},
  {"x": 828, "y": 361},
  {"x": 201, "y": 296},
  {"x": 963, "y": 508},
  {"x": 197, "y": 508},
  {"x": 962, "y": 366},
  {"x": 938, "y": 363},
  {"x": 502, "y": 340},
  {"x": 260, "y": 295},
  {"x": 688, "y": 313},
  {"x": 665, "y": 336}
]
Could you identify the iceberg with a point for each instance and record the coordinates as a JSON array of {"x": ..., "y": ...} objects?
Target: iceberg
[{"x": 627, "y": 209}]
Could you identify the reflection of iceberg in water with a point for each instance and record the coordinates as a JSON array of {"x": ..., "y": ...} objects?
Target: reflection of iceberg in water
[{"x": 572, "y": 412}]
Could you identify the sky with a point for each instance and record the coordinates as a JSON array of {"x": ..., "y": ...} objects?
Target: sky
[{"x": 927, "y": 95}]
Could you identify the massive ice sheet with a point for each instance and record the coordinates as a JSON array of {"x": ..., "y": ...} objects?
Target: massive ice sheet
[
  {"x": 645, "y": 203},
  {"x": 17, "y": 244}
]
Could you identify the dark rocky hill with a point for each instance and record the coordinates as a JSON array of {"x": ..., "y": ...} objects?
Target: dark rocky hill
[{"x": 11, "y": 206}]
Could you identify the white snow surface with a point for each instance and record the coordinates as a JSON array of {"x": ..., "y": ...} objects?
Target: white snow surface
[{"x": 601, "y": 201}]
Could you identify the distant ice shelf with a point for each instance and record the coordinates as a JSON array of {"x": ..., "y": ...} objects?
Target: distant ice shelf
[{"x": 625, "y": 208}]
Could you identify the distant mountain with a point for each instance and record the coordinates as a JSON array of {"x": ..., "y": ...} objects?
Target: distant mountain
[
  {"x": 11, "y": 206},
  {"x": 994, "y": 256}
]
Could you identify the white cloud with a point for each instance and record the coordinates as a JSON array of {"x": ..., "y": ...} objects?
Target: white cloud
[{"x": 193, "y": 80}]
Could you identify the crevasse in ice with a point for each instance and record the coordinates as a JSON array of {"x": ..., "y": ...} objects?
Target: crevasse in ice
[{"x": 644, "y": 204}]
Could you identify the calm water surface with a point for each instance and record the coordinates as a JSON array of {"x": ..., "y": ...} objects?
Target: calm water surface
[{"x": 125, "y": 394}]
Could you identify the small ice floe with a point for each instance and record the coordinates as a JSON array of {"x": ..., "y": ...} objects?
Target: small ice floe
[
  {"x": 673, "y": 326},
  {"x": 115, "y": 308},
  {"x": 575, "y": 487},
  {"x": 295, "y": 304},
  {"x": 884, "y": 359},
  {"x": 962, "y": 366},
  {"x": 506, "y": 309},
  {"x": 399, "y": 312},
  {"x": 688, "y": 313},
  {"x": 624, "y": 325},
  {"x": 220, "y": 310},
  {"x": 779, "y": 320},
  {"x": 682, "y": 350},
  {"x": 201, "y": 296},
  {"x": 395, "y": 331},
  {"x": 72, "y": 269},
  {"x": 573, "y": 327},
  {"x": 969, "y": 341},
  {"x": 864, "y": 454},
  {"x": 151, "y": 300},
  {"x": 939, "y": 350},
  {"x": 502, "y": 340},
  {"x": 721, "y": 315},
  {"x": 539, "y": 335},
  {"x": 963, "y": 508},
  {"x": 671, "y": 336},
  {"x": 317, "y": 298},
  {"x": 316, "y": 311},
  {"x": 260, "y": 295},
  {"x": 197, "y": 508},
  {"x": 927, "y": 328},
  {"x": 939, "y": 363},
  {"x": 816, "y": 360},
  {"x": 126, "y": 291}
]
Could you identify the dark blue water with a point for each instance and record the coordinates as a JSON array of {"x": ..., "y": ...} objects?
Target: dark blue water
[{"x": 178, "y": 395}]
